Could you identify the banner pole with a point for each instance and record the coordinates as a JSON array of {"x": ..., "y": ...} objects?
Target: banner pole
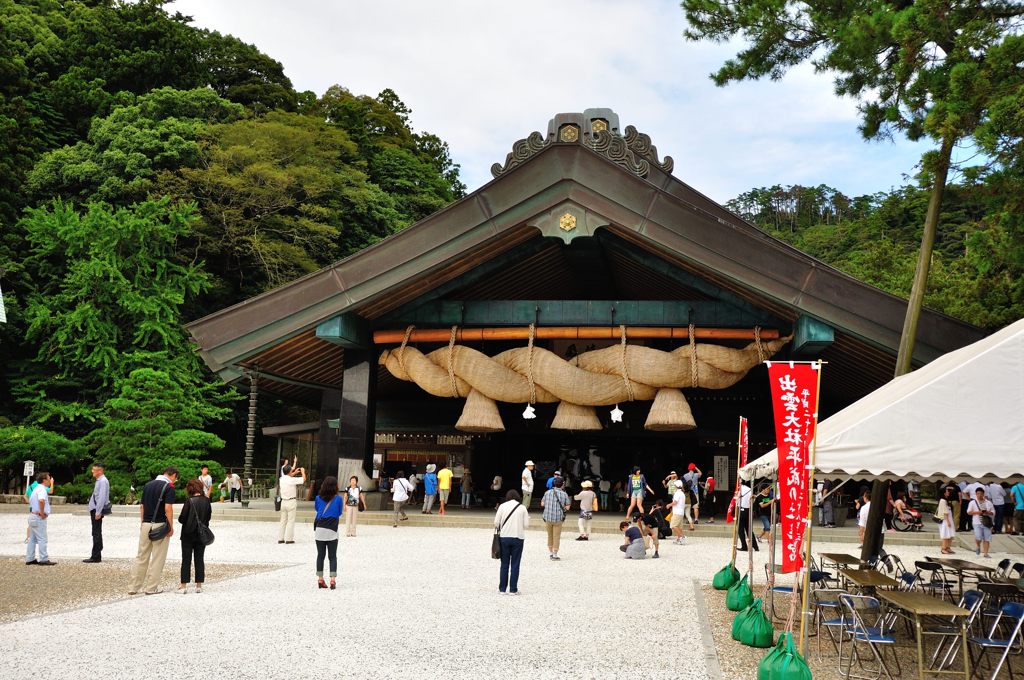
[
  {"x": 736, "y": 492},
  {"x": 805, "y": 590}
]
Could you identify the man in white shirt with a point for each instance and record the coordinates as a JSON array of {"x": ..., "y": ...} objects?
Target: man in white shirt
[
  {"x": 678, "y": 511},
  {"x": 39, "y": 510},
  {"x": 745, "y": 519},
  {"x": 997, "y": 494},
  {"x": 401, "y": 491},
  {"x": 527, "y": 483},
  {"x": 206, "y": 479},
  {"x": 287, "y": 485}
]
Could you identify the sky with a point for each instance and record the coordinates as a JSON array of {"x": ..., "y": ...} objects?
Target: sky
[{"x": 481, "y": 75}]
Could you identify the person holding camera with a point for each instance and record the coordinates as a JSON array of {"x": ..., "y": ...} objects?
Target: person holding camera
[
  {"x": 157, "y": 514},
  {"x": 288, "y": 485},
  {"x": 354, "y": 500},
  {"x": 981, "y": 511}
]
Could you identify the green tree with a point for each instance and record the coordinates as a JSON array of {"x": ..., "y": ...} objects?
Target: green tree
[
  {"x": 124, "y": 151},
  {"x": 110, "y": 289},
  {"x": 19, "y": 443},
  {"x": 415, "y": 169},
  {"x": 280, "y": 196},
  {"x": 239, "y": 72},
  {"x": 934, "y": 69}
]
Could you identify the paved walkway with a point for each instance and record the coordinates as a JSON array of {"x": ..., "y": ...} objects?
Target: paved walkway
[{"x": 411, "y": 601}]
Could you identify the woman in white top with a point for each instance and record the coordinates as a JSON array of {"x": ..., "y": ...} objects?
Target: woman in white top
[
  {"x": 511, "y": 520},
  {"x": 979, "y": 509},
  {"x": 945, "y": 516},
  {"x": 354, "y": 500}
]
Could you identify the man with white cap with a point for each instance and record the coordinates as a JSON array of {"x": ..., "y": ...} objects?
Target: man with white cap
[
  {"x": 527, "y": 479},
  {"x": 678, "y": 511}
]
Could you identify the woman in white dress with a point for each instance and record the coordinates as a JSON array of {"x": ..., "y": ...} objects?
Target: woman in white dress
[{"x": 946, "y": 528}]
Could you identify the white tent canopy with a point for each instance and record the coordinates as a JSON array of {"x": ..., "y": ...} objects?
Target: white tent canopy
[{"x": 961, "y": 416}]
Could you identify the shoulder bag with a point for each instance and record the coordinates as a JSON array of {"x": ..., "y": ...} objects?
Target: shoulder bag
[
  {"x": 161, "y": 529},
  {"x": 203, "y": 532},
  {"x": 329, "y": 523},
  {"x": 496, "y": 541}
]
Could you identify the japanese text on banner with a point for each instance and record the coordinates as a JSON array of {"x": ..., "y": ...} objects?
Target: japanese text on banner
[{"x": 795, "y": 404}]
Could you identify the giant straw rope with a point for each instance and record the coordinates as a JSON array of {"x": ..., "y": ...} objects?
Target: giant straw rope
[{"x": 596, "y": 378}]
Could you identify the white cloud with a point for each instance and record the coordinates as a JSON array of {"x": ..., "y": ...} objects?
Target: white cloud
[{"x": 481, "y": 75}]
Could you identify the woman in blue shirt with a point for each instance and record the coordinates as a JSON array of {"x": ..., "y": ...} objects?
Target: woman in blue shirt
[{"x": 329, "y": 506}]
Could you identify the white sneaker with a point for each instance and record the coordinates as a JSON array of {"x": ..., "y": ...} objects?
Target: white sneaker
[{"x": 182, "y": 590}]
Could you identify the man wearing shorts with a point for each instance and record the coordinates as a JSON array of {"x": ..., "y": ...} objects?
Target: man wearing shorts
[
  {"x": 444, "y": 484},
  {"x": 678, "y": 512}
]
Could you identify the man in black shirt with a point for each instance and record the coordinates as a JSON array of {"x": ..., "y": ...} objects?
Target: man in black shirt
[
  {"x": 651, "y": 523},
  {"x": 155, "y": 511}
]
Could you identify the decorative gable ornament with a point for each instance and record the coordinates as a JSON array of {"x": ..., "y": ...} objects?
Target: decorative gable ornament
[{"x": 598, "y": 130}]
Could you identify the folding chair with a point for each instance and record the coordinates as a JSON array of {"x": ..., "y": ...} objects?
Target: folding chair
[
  {"x": 858, "y": 629},
  {"x": 891, "y": 565},
  {"x": 1001, "y": 569},
  {"x": 932, "y": 578},
  {"x": 1013, "y": 613},
  {"x": 949, "y": 634},
  {"x": 1015, "y": 572},
  {"x": 828, "y": 612},
  {"x": 777, "y": 590},
  {"x": 819, "y": 576}
]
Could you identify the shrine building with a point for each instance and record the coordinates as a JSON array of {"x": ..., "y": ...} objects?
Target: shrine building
[{"x": 583, "y": 305}]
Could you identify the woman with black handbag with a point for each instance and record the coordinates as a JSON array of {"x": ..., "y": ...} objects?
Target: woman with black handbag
[
  {"x": 195, "y": 511},
  {"x": 329, "y": 506},
  {"x": 510, "y": 524}
]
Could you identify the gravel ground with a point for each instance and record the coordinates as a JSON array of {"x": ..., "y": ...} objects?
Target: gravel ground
[
  {"x": 424, "y": 596},
  {"x": 31, "y": 591}
]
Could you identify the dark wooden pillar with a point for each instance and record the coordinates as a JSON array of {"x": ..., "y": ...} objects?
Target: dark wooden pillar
[
  {"x": 327, "y": 450},
  {"x": 873, "y": 536},
  {"x": 358, "y": 407}
]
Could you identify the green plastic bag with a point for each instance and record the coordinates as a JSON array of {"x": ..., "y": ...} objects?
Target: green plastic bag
[
  {"x": 739, "y": 596},
  {"x": 767, "y": 665},
  {"x": 788, "y": 665},
  {"x": 725, "y": 577},
  {"x": 757, "y": 630},
  {"x": 740, "y": 620}
]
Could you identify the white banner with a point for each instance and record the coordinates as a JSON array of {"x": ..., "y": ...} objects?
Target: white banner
[
  {"x": 3, "y": 313},
  {"x": 722, "y": 476}
]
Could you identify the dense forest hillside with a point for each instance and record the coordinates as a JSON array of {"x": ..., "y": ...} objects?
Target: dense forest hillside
[
  {"x": 150, "y": 173},
  {"x": 977, "y": 271}
]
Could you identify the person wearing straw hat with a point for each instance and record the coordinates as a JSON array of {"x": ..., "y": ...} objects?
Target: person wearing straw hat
[
  {"x": 527, "y": 483},
  {"x": 429, "y": 490},
  {"x": 588, "y": 503}
]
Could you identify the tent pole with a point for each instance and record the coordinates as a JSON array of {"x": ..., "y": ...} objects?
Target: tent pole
[
  {"x": 736, "y": 493},
  {"x": 805, "y": 590},
  {"x": 771, "y": 551},
  {"x": 750, "y": 535}
]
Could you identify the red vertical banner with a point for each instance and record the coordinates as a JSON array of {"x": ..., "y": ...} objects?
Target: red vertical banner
[
  {"x": 744, "y": 441},
  {"x": 795, "y": 404},
  {"x": 744, "y": 447}
]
